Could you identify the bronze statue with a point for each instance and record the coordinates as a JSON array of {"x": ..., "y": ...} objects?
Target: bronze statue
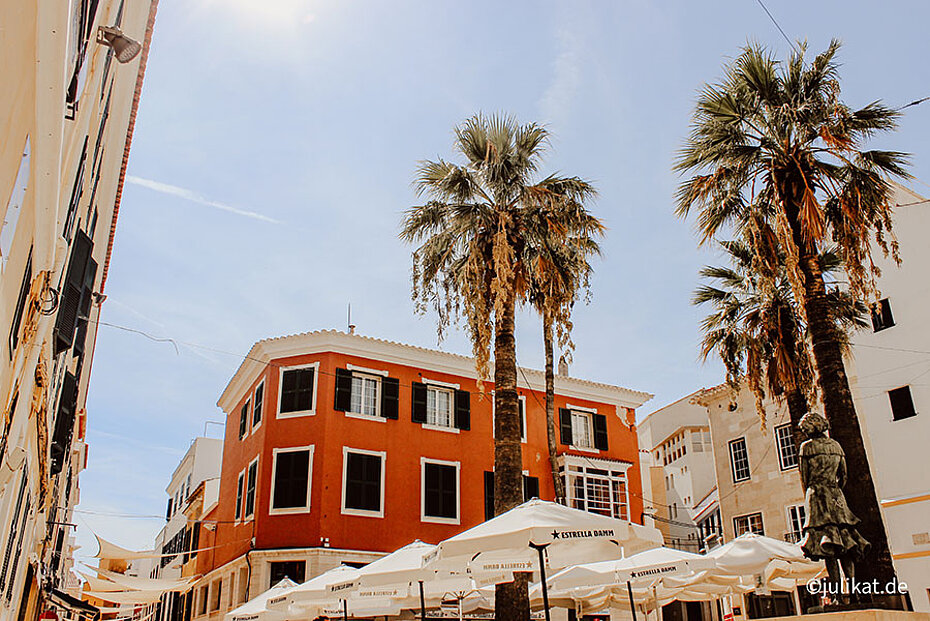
[{"x": 829, "y": 527}]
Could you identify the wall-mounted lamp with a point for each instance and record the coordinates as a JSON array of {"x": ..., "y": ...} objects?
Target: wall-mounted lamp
[{"x": 126, "y": 49}]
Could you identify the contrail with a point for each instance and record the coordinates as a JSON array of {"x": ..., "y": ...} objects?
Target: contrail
[{"x": 194, "y": 197}]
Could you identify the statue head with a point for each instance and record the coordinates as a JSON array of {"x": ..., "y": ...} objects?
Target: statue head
[{"x": 813, "y": 424}]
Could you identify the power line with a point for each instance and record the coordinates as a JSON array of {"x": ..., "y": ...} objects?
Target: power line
[{"x": 774, "y": 21}]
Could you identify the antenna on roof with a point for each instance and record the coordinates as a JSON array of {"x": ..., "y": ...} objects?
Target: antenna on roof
[{"x": 349, "y": 320}]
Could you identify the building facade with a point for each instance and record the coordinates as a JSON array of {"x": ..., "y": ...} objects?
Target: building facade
[
  {"x": 678, "y": 473},
  {"x": 889, "y": 374},
  {"x": 67, "y": 110},
  {"x": 340, "y": 448}
]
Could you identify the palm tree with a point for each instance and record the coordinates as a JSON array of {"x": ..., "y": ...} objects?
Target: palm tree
[
  {"x": 756, "y": 329},
  {"x": 481, "y": 221},
  {"x": 560, "y": 270},
  {"x": 778, "y": 158}
]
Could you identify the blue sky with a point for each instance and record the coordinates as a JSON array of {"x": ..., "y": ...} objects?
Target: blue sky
[{"x": 273, "y": 155}]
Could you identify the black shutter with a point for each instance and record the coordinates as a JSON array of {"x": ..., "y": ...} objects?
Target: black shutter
[
  {"x": 343, "y": 390},
  {"x": 600, "y": 431},
  {"x": 21, "y": 305},
  {"x": 530, "y": 487},
  {"x": 390, "y": 395},
  {"x": 418, "y": 402},
  {"x": 488, "y": 495},
  {"x": 71, "y": 292},
  {"x": 64, "y": 423},
  {"x": 565, "y": 425},
  {"x": 463, "y": 409},
  {"x": 84, "y": 309}
]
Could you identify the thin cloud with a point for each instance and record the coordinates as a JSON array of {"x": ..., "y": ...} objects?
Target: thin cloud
[
  {"x": 556, "y": 102},
  {"x": 194, "y": 197}
]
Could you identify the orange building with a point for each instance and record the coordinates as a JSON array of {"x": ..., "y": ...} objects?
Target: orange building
[{"x": 340, "y": 448}]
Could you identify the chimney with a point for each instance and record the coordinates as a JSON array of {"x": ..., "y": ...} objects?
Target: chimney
[
  {"x": 351, "y": 328},
  {"x": 563, "y": 368}
]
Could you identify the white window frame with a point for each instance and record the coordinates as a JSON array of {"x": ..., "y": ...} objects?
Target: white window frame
[
  {"x": 264, "y": 400},
  {"x": 747, "y": 517},
  {"x": 800, "y": 512},
  {"x": 733, "y": 460},
  {"x": 274, "y": 471},
  {"x": 441, "y": 384},
  {"x": 797, "y": 458},
  {"x": 522, "y": 399},
  {"x": 458, "y": 492},
  {"x": 451, "y": 392},
  {"x": 590, "y": 418},
  {"x": 248, "y": 517},
  {"x": 345, "y": 463},
  {"x": 585, "y": 463},
  {"x": 316, "y": 383},
  {"x": 372, "y": 374}
]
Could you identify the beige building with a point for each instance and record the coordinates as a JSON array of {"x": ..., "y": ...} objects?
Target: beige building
[
  {"x": 70, "y": 95},
  {"x": 677, "y": 467}
]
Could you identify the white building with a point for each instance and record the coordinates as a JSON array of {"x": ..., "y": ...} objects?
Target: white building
[
  {"x": 677, "y": 469},
  {"x": 890, "y": 376},
  {"x": 67, "y": 108}
]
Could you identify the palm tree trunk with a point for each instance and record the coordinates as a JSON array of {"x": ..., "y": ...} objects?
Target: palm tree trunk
[
  {"x": 844, "y": 423},
  {"x": 797, "y": 408},
  {"x": 511, "y": 600},
  {"x": 557, "y": 483}
]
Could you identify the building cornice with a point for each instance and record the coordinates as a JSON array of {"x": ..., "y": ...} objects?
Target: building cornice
[{"x": 266, "y": 351}]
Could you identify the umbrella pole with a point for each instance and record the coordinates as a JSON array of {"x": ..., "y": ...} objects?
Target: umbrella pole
[
  {"x": 345, "y": 610},
  {"x": 629, "y": 591},
  {"x": 542, "y": 576},
  {"x": 422, "y": 603}
]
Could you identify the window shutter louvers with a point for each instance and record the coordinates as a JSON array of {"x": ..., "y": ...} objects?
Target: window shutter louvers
[
  {"x": 463, "y": 409},
  {"x": 90, "y": 274},
  {"x": 488, "y": 495},
  {"x": 71, "y": 291},
  {"x": 418, "y": 402},
  {"x": 390, "y": 397},
  {"x": 64, "y": 423},
  {"x": 343, "y": 402},
  {"x": 599, "y": 422},
  {"x": 565, "y": 426}
]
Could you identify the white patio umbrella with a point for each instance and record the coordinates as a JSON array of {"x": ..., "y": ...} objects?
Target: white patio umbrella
[
  {"x": 323, "y": 588},
  {"x": 751, "y": 555},
  {"x": 518, "y": 539},
  {"x": 256, "y": 609}
]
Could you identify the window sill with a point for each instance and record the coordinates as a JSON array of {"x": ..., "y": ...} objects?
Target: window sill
[
  {"x": 585, "y": 449},
  {"x": 439, "y": 428},
  {"x": 296, "y": 414},
  {"x": 379, "y": 419},
  {"x": 362, "y": 513},
  {"x": 439, "y": 520},
  {"x": 289, "y": 511}
]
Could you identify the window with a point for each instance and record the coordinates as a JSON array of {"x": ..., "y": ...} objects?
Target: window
[
  {"x": 291, "y": 479},
  {"x": 363, "y": 475},
  {"x": 439, "y": 406},
  {"x": 581, "y": 430},
  {"x": 240, "y": 490},
  {"x": 751, "y": 523},
  {"x": 881, "y": 316},
  {"x": 244, "y": 418},
  {"x": 216, "y": 592},
  {"x": 902, "y": 404},
  {"x": 796, "y": 517},
  {"x": 259, "y": 401},
  {"x": 597, "y": 486},
  {"x": 440, "y": 491},
  {"x": 739, "y": 460},
  {"x": 530, "y": 491},
  {"x": 787, "y": 451},
  {"x": 279, "y": 570},
  {"x": 243, "y": 584},
  {"x": 204, "y": 596},
  {"x": 365, "y": 389},
  {"x": 298, "y": 390},
  {"x": 522, "y": 418},
  {"x": 251, "y": 482},
  {"x": 436, "y": 405}
]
